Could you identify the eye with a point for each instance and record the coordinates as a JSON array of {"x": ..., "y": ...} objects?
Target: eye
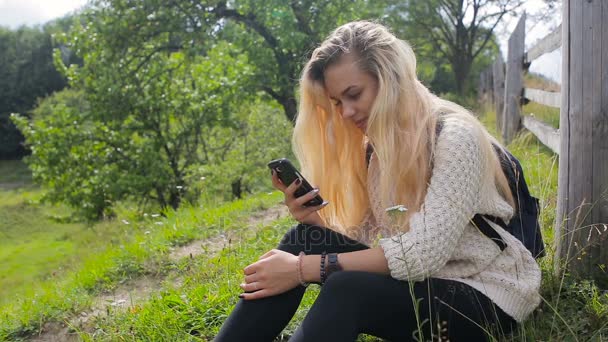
[{"x": 354, "y": 96}]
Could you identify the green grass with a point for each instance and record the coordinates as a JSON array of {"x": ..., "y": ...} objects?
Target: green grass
[
  {"x": 546, "y": 114},
  {"x": 541, "y": 112},
  {"x": 14, "y": 171},
  {"x": 68, "y": 264},
  {"x": 51, "y": 268},
  {"x": 572, "y": 310},
  {"x": 196, "y": 310}
]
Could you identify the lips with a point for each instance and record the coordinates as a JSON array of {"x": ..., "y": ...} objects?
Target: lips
[{"x": 361, "y": 123}]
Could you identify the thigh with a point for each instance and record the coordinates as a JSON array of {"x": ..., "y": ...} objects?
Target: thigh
[
  {"x": 354, "y": 302},
  {"x": 314, "y": 240},
  {"x": 435, "y": 309},
  {"x": 461, "y": 313},
  {"x": 382, "y": 305}
]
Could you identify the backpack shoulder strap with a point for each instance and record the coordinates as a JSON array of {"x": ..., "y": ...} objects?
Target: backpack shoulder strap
[
  {"x": 487, "y": 230},
  {"x": 478, "y": 220},
  {"x": 368, "y": 153}
]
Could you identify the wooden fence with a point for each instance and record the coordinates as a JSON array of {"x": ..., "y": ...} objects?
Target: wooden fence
[
  {"x": 502, "y": 84},
  {"x": 581, "y": 227}
]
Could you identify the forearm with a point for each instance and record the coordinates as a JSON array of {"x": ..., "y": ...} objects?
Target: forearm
[{"x": 368, "y": 260}]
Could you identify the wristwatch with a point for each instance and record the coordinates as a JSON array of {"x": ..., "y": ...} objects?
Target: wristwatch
[{"x": 332, "y": 264}]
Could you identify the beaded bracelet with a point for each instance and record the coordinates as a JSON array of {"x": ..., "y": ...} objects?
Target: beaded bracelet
[
  {"x": 299, "y": 265},
  {"x": 323, "y": 267}
]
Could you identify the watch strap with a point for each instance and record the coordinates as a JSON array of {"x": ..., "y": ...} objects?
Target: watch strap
[{"x": 333, "y": 265}]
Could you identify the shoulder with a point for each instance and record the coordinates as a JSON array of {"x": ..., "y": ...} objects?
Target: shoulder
[{"x": 459, "y": 134}]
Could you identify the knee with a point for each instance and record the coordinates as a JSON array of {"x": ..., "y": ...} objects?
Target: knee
[
  {"x": 340, "y": 290},
  {"x": 292, "y": 241},
  {"x": 304, "y": 237},
  {"x": 343, "y": 283}
]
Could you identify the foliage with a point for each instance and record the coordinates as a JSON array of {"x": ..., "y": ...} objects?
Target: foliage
[
  {"x": 455, "y": 32},
  {"x": 194, "y": 305},
  {"x": 277, "y": 35},
  {"x": 265, "y": 135},
  {"x": 139, "y": 135},
  {"x": 27, "y": 73}
]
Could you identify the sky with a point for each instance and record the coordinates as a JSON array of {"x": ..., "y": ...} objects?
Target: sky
[
  {"x": 548, "y": 65},
  {"x": 14, "y": 13}
]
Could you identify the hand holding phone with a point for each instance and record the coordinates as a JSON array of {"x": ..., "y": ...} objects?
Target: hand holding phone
[
  {"x": 287, "y": 173},
  {"x": 302, "y": 199}
]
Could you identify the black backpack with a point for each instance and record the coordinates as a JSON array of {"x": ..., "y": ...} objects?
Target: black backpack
[{"x": 524, "y": 223}]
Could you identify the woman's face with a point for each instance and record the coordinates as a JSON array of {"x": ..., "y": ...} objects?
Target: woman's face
[{"x": 351, "y": 90}]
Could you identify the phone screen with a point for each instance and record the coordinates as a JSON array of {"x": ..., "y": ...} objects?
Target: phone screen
[{"x": 287, "y": 173}]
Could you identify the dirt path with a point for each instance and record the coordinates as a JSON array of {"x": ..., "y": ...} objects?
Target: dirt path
[{"x": 140, "y": 289}]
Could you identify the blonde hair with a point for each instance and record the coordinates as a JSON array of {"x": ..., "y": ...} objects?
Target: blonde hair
[{"x": 401, "y": 128}]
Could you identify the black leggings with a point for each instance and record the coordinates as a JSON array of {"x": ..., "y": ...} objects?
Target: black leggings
[{"x": 354, "y": 302}]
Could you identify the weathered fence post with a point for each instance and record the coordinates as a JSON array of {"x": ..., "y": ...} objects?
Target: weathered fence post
[
  {"x": 489, "y": 85},
  {"x": 480, "y": 88},
  {"x": 498, "y": 72},
  {"x": 582, "y": 208},
  {"x": 514, "y": 81},
  {"x": 485, "y": 88}
]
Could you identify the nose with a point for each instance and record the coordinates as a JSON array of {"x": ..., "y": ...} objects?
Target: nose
[{"x": 348, "y": 111}]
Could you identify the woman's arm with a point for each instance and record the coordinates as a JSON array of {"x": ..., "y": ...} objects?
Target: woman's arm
[
  {"x": 369, "y": 260},
  {"x": 451, "y": 200}
]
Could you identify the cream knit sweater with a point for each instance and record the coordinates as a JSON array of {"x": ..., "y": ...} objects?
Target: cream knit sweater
[{"x": 442, "y": 243}]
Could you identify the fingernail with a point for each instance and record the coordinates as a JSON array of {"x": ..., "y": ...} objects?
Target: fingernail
[
  {"x": 315, "y": 190},
  {"x": 298, "y": 181},
  {"x": 241, "y": 296},
  {"x": 325, "y": 203}
]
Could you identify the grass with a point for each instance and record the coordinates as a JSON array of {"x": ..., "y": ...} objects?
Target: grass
[
  {"x": 14, "y": 171},
  {"x": 546, "y": 114},
  {"x": 541, "y": 112},
  {"x": 196, "y": 310},
  {"x": 52, "y": 268},
  {"x": 572, "y": 309},
  {"x": 68, "y": 264}
]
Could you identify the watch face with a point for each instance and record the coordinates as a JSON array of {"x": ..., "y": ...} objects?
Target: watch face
[{"x": 333, "y": 263}]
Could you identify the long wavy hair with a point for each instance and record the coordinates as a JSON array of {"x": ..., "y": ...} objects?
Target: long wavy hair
[{"x": 401, "y": 129}]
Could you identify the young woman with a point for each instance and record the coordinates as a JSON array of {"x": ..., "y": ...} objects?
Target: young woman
[{"x": 419, "y": 272}]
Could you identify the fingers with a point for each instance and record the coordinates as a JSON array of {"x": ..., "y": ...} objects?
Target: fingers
[
  {"x": 276, "y": 182},
  {"x": 292, "y": 188},
  {"x": 250, "y": 269},
  {"x": 251, "y": 278},
  {"x": 256, "y": 295},
  {"x": 251, "y": 287},
  {"x": 305, "y": 198},
  {"x": 267, "y": 254}
]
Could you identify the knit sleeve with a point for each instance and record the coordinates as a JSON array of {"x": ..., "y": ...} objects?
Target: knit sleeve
[{"x": 451, "y": 200}]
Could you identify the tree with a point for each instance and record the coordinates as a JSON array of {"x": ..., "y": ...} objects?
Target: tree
[
  {"x": 27, "y": 74},
  {"x": 457, "y": 30},
  {"x": 144, "y": 124},
  {"x": 277, "y": 35},
  {"x": 166, "y": 87}
]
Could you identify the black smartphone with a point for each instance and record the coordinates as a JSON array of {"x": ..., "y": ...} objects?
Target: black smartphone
[{"x": 287, "y": 173}]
